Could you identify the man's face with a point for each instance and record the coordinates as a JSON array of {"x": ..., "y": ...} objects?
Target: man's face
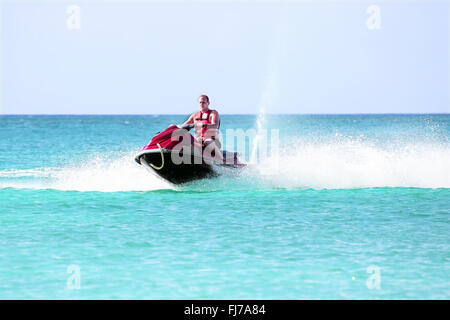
[{"x": 203, "y": 103}]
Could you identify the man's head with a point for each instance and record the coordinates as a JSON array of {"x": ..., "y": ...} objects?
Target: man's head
[{"x": 203, "y": 102}]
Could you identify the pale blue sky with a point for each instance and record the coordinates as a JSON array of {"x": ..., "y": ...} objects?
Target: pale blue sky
[{"x": 156, "y": 57}]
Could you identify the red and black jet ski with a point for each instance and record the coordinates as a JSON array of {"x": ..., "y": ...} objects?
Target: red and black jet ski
[{"x": 176, "y": 156}]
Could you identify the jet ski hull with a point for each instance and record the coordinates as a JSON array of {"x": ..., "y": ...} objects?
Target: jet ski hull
[
  {"x": 164, "y": 156},
  {"x": 162, "y": 165}
]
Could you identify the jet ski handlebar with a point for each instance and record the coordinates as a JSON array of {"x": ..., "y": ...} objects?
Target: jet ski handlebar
[{"x": 186, "y": 126}]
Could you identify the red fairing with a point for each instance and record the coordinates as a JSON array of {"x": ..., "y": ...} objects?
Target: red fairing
[{"x": 171, "y": 139}]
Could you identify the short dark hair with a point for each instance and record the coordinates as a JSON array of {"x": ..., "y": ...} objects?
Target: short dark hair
[{"x": 205, "y": 96}]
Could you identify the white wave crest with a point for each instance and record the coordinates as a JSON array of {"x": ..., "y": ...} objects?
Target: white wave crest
[
  {"x": 355, "y": 164},
  {"x": 102, "y": 172},
  {"x": 319, "y": 165}
]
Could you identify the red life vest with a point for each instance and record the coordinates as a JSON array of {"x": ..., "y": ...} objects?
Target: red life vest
[{"x": 201, "y": 119}]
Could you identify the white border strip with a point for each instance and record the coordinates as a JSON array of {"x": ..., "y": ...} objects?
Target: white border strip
[{"x": 1, "y": 56}]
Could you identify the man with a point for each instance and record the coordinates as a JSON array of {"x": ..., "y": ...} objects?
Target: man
[{"x": 206, "y": 124}]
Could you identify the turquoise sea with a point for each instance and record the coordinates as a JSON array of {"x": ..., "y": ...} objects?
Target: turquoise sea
[{"x": 348, "y": 207}]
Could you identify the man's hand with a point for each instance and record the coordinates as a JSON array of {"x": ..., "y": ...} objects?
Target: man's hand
[{"x": 187, "y": 126}]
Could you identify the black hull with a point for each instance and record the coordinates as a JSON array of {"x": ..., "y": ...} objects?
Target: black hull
[{"x": 176, "y": 173}]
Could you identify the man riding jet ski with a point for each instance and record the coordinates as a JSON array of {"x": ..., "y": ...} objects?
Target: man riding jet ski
[
  {"x": 175, "y": 155},
  {"x": 206, "y": 124}
]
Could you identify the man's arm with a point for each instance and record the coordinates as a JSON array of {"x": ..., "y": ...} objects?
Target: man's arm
[
  {"x": 188, "y": 124},
  {"x": 190, "y": 120},
  {"x": 214, "y": 120}
]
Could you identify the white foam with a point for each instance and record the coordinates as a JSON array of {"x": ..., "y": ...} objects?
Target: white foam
[
  {"x": 19, "y": 173},
  {"x": 101, "y": 172},
  {"x": 342, "y": 164},
  {"x": 355, "y": 164}
]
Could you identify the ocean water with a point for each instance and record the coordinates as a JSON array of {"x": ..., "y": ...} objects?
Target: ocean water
[{"x": 346, "y": 207}]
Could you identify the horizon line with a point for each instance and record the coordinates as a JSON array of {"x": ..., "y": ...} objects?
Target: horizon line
[{"x": 228, "y": 114}]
